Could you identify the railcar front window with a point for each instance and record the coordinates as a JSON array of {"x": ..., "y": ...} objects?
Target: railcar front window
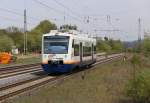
[{"x": 56, "y": 44}]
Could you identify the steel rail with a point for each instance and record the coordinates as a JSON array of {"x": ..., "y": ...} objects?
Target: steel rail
[
  {"x": 20, "y": 72},
  {"x": 18, "y": 67}
]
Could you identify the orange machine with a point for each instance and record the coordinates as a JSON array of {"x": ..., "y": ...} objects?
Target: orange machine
[{"x": 5, "y": 58}]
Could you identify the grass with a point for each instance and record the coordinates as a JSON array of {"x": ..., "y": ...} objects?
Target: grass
[
  {"x": 105, "y": 84},
  {"x": 24, "y": 60}
]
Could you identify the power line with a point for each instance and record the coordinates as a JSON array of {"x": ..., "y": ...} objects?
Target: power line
[
  {"x": 87, "y": 21},
  {"x": 44, "y": 4},
  {"x": 14, "y": 20},
  {"x": 67, "y": 8},
  {"x": 109, "y": 30},
  {"x": 19, "y": 14},
  {"x": 47, "y": 6},
  {"x": 56, "y": 10}
]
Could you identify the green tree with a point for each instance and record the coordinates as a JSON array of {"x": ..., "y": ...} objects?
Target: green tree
[
  {"x": 44, "y": 27},
  {"x": 34, "y": 41},
  {"x": 146, "y": 46},
  {"x": 106, "y": 38},
  {"x": 103, "y": 46},
  {"x": 3, "y": 32},
  {"x": 6, "y": 43},
  {"x": 116, "y": 45},
  {"x": 35, "y": 35},
  {"x": 16, "y": 35},
  {"x": 109, "y": 45}
]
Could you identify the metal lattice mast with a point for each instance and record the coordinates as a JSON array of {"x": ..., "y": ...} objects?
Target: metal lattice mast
[
  {"x": 139, "y": 34},
  {"x": 25, "y": 32}
]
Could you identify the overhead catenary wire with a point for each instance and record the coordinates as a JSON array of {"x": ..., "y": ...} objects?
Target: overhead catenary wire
[
  {"x": 78, "y": 19},
  {"x": 15, "y": 20},
  {"x": 67, "y": 8},
  {"x": 19, "y": 14},
  {"x": 56, "y": 10}
]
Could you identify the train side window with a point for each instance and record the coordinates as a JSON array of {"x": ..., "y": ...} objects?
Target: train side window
[
  {"x": 76, "y": 49},
  {"x": 87, "y": 51}
]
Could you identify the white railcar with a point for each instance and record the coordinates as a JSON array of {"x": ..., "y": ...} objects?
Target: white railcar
[{"x": 64, "y": 51}]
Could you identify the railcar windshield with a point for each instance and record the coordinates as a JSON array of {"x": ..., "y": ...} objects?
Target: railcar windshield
[{"x": 56, "y": 44}]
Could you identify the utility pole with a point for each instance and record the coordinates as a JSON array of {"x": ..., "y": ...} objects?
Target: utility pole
[
  {"x": 139, "y": 34},
  {"x": 25, "y": 32},
  {"x": 108, "y": 19},
  {"x": 95, "y": 34},
  {"x": 88, "y": 19},
  {"x": 87, "y": 22},
  {"x": 108, "y": 23},
  {"x": 64, "y": 19}
]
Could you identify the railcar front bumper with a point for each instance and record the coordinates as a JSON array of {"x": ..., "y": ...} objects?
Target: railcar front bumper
[{"x": 57, "y": 68}]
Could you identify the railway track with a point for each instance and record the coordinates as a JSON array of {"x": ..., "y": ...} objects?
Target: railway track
[
  {"x": 31, "y": 70},
  {"x": 20, "y": 87},
  {"x": 17, "y": 70}
]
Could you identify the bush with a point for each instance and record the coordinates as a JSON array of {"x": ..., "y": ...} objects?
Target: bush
[
  {"x": 103, "y": 46},
  {"x": 14, "y": 58},
  {"x": 139, "y": 87},
  {"x": 136, "y": 60}
]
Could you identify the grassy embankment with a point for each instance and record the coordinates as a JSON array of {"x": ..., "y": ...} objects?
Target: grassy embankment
[
  {"x": 24, "y": 59},
  {"x": 105, "y": 84}
]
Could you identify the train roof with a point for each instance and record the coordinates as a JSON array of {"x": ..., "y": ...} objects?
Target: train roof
[{"x": 71, "y": 33}]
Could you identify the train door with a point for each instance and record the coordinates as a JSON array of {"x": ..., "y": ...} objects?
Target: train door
[
  {"x": 81, "y": 52},
  {"x": 92, "y": 52}
]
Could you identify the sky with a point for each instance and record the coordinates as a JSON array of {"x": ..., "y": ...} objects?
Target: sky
[{"x": 117, "y": 19}]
